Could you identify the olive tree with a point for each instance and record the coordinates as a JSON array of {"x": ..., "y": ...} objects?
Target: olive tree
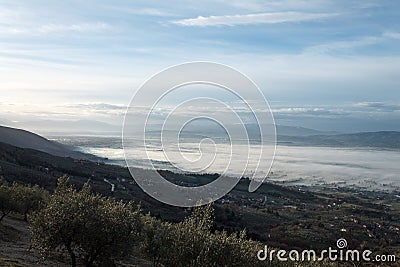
[
  {"x": 20, "y": 198},
  {"x": 193, "y": 242},
  {"x": 176, "y": 244},
  {"x": 157, "y": 239},
  {"x": 90, "y": 228},
  {"x": 7, "y": 202},
  {"x": 28, "y": 198}
]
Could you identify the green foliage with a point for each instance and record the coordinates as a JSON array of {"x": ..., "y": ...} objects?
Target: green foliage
[
  {"x": 89, "y": 227},
  {"x": 20, "y": 198},
  {"x": 96, "y": 230},
  {"x": 3, "y": 181},
  {"x": 29, "y": 198},
  {"x": 192, "y": 243},
  {"x": 7, "y": 202},
  {"x": 157, "y": 237}
]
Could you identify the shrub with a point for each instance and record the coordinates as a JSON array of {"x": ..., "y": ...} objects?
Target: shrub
[
  {"x": 29, "y": 198},
  {"x": 20, "y": 198},
  {"x": 7, "y": 202},
  {"x": 91, "y": 228},
  {"x": 192, "y": 243}
]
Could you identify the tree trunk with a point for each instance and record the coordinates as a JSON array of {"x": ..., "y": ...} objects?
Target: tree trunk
[
  {"x": 4, "y": 215},
  {"x": 90, "y": 262},
  {"x": 72, "y": 255}
]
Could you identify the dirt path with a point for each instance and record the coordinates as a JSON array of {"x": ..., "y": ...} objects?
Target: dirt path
[{"x": 15, "y": 245}]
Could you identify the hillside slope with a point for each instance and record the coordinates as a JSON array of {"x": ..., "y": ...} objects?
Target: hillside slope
[{"x": 25, "y": 139}]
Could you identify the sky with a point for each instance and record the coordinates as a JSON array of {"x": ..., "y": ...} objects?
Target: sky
[{"x": 327, "y": 65}]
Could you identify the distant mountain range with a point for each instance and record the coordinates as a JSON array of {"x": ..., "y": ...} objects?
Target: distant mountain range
[
  {"x": 297, "y": 136},
  {"x": 61, "y": 127},
  {"x": 253, "y": 131},
  {"x": 283, "y": 130},
  {"x": 25, "y": 139},
  {"x": 383, "y": 139}
]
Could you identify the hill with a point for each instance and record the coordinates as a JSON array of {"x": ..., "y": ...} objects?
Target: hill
[
  {"x": 383, "y": 139},
  {"x": 24, "y": 139},
  {"x": 283, "y": 130}
]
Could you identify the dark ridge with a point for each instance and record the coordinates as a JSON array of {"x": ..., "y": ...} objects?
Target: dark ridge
[{"x": 24, "y": 139}]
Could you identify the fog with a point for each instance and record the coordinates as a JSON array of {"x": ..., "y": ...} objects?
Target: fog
[{"x": 357, "y": 167}]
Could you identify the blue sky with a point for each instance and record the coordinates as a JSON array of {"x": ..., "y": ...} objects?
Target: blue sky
[{"x": 331, "y": 65}]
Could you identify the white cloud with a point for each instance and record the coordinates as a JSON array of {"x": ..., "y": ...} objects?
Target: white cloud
[
  {"x": 53, "y": 28},
  {"x": 310, "y": 111},
  {"x": 7, "y": 15},
  {"x": 299, "y": 5},
  {"x": 379, "y": 106},
  {"x": 253, "y": 5},
  {"x": 82, "y": 27},
  {"x": 352, "y": 44},
  {"x": 98, "y": 106},
  {"x": 148, "y": 12},
  {"x": 343, "y": 45},
  {"x": 269, "y": 18},
  {"x": 393, "y": 35}
]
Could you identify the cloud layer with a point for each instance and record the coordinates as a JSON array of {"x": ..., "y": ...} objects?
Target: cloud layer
[{"x": 247, "y": 19}]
